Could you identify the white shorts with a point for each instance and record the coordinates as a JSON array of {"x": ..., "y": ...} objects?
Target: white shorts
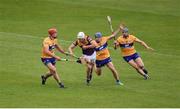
[{"x": 91, "y": 58}]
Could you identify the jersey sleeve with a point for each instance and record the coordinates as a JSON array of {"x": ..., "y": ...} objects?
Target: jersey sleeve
[
  {"x": 134, "y": 38},
  {"x": 56, "y": 42},
  {"x": 89, "y": 39},
  {"x": 118, "y": 40},
  {"x": 45, "y": 42},
  {"x": 106, "y": 38},
  {"x": 75, "y": 43}
]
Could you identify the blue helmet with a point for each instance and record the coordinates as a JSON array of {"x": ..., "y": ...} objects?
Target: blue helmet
[
  {"x": 125, "y": 30},
  {"x": 98, "y": 35}
]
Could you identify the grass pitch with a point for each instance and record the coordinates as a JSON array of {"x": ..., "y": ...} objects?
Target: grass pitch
[{"x": 24, "y": 24}]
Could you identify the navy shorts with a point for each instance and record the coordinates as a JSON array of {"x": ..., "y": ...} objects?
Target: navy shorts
[
  {"x": 131, "y": 57},
  {"x": 48, "y": 60},
  {"x": 101, "y": 63}
]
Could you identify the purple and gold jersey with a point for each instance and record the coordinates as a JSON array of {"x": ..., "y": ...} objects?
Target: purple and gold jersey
[{"x": 88, "y": 40}]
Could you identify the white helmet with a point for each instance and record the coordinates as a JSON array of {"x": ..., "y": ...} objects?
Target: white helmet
[{"x": 81, "y": 35}]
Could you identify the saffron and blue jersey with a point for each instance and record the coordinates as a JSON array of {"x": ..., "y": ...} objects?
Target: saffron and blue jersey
[
  {"x": 102, "y": 51},
  {"x": 51, "y": 43},
  {"x": 127, "y": 45}
]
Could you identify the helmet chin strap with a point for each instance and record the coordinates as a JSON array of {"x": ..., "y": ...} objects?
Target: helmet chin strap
[
  {"x": 51, "y": 37},
  {"x": 125, "y": 36}
]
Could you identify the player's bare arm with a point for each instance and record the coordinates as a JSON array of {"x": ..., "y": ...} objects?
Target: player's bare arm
[
  {"x": 144, "y": 44},
  {"x": 60, "y": 49},
  {"x": 116, "y": 44},
  {"x": 121, "y": 27},
  {"x": 93, "y": 45},
  {"x": 71, "y": 47},
  {"x": 116, "y": 32}
]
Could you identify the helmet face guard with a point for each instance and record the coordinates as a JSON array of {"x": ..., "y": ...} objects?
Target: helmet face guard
[
  {"x": 125, "y": 30},
  {"x": 98, "y": 35},
  {"x": 81, "y": 35}
]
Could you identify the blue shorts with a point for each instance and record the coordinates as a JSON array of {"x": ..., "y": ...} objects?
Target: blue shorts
[
  {"x": 101, "y": 63},
  {"x": 48, "y": 60},
  {"x": 131, "y": 57}
]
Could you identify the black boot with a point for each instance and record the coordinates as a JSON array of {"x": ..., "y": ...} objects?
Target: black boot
[
  {"x": 61, "y": 85},
  {"x": 43, "y": 79}
]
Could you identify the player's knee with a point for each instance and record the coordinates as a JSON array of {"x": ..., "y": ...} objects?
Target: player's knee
[
  {"x": 141, "y": 67},
  {"x": 53, "y": 70},
  {"x": 98, "y": 73},
  {"x": 90, "y": 67},
  {"x": 137, "y": 68},
  {"x": 112, "y": 69}
]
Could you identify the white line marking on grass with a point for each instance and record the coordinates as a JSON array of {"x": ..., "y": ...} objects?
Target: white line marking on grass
[
  {"x": 31, "y": 36},
  {"x": 68, "y": 41}
]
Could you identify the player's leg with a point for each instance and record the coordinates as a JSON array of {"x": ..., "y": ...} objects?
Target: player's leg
[
  {"x": 45, "y": 77},
  {"x": 98, "y": 66},
  {"x": 53, "y": 71},
  {"x": 92, "y": 64},
  {"x": 92, "y": 59},
  {"x": 89, "y": 73},
  {"x": 139, "y": 70},
  {"x": 89, "y": 68},
  {"x": 98, "y": 71},
  {"x": 48, "y": 74},
  {"x": 140, "y": 63},
  {"x": 114, "y": 72}
]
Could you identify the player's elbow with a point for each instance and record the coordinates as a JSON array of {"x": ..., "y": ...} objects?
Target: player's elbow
[
  {"x": 46, "y": 51},
  {"x": 112, "y": 36},
  {"x": 70, "y": 49},
  {"x": 142, "y": 43}
]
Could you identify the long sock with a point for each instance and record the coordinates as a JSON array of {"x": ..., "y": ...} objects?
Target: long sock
[
  {"x": 90, "y": 74},
  {"x": 145, "y": 71},
  {"x": 48, "y": 75}
]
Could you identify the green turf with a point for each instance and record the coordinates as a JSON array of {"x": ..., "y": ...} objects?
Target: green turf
[{"x": 24, "y": 24}]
